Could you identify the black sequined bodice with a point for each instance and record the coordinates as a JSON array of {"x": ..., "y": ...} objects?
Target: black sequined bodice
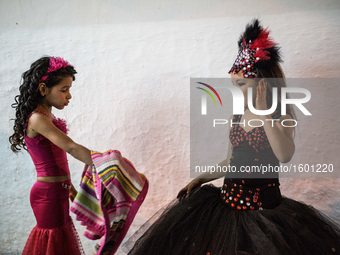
[
  {"x": 251, "y": 149},
  {"x": 248, "y": 187}
]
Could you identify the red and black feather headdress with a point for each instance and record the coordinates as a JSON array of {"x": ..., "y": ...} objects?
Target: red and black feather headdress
[{"x": 256, "y": 51}]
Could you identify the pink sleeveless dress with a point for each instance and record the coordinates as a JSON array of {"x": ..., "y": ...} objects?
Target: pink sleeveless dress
[{"x": 54, "y": 233}]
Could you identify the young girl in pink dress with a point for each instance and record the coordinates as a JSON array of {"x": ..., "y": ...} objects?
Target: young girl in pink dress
[{"x": 46, "y": 85}]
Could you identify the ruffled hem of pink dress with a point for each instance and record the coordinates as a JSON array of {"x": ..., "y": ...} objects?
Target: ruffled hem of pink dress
[{"x": 56, "y": 241}]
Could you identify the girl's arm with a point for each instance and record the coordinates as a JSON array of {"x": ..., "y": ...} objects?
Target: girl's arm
[
  {"x": 42, "y": 125},
  {"x": 207, "y": 177},
  {"x": 280, "y": 138}
]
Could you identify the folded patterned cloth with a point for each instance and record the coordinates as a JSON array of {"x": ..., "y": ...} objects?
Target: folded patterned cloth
[{"x": 110, "y": 194}]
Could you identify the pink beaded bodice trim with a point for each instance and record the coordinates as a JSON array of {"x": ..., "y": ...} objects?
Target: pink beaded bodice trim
[
  {"x": 58, "y": 122},
  {"x": 49, "y": 159},
  {"x": 255, "y": 138}
]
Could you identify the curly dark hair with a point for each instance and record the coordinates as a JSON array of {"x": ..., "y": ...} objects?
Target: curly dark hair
[{"x": 30, "y": 97}]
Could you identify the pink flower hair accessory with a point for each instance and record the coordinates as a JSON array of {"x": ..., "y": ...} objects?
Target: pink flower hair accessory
[{"x": 55, "y": 64}]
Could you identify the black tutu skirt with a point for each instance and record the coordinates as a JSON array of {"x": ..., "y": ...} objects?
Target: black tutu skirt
[{"x": 202, "y": 224}]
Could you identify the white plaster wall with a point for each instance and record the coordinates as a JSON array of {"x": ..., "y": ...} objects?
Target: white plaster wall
[{"x": 134, "y": 61}]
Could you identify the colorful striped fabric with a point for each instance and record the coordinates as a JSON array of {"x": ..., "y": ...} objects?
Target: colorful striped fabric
[{"x": 111, "y": 192}]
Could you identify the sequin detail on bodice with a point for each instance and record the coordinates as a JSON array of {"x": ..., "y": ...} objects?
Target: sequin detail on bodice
[
  {"x": 255, "y": 138},
  {"x": 240, "y": 197},
  {"x": 249, "y": 190}
]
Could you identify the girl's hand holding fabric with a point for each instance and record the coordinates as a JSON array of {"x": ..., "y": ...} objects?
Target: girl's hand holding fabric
[{"x": 73, "y": 193}]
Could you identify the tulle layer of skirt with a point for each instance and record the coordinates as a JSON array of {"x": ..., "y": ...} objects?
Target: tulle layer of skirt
[{"x": 203, "y": 224}]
